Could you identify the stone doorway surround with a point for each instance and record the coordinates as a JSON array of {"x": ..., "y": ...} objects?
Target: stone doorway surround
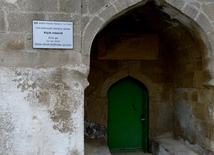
[
  {"x": 176, "y": 10},
  {"x": 179, "y": 11}
]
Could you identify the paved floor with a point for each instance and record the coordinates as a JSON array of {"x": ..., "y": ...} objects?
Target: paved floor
[
  {"x": 137, "y": 153},
  {"x": 162, "y": 146},
  {"x": 96, "y": 147},
  {"x": 99, "y": 147}
]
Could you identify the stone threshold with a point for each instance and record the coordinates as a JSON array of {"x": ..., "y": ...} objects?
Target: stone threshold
[{"x": 98, "y": 146}]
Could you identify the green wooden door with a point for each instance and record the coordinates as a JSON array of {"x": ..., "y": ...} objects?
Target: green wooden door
[{"x": 127, "y": 105}]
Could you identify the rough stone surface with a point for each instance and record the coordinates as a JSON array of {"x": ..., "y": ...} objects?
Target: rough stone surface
[
  {"x": 205, "y": 23},
  {"x": 91, "y": 30},
  {"x": 20, "y": 22},
  {"x": 104, "y": 73},
  {"x": 108, "y": 13},
  {"x": 13, "y": 5},
  {"x": 12, "y": 42},
  {"x": 19, "y": 59},
  {"x": 46, "y": 101},
  {"x": 85, "y": 4},
  {"x": 204, "y": 1},
  {"x": 2, "y": 22},
  {"x": 209, "y": 11},
  {"x": 178, "y": 4},
  {"x": 121, "y": 4},
  {"x": 37, "y": 59},
  {"x": 190, "y": 11},
  {"x": 42, "y": 90},
  {"x": 70, "y": 6},
  {"x": 41, "y": 6},
  {"x": 211, "y": 38},
  {"x": 99, "y": 4},
  {"x": 85, "y": 20},
  {"x": 196, "y": 4}
]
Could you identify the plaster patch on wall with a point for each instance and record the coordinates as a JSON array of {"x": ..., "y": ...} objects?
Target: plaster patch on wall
[
  {"x": 51, "y": 79},
  {"x": 44, "y": 110},
  {"x": 11, "y": 1},
  {"x": 73, "y": 152},
  {"x": 26, "y": 79},
  {"x": 6, "y": 122},
  {"x": 46, "y": 139},
  {"x": 61, "y": 113},
  {"x": 63, "y": 120},
  {"x": 6, "y": 127},
  {"x": 57, "y": 100}
]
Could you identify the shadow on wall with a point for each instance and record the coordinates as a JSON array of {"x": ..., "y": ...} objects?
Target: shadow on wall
[{"x": 177, "y": 66}]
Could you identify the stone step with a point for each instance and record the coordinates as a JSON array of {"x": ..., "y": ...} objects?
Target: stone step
[{"x": 170, "y": 146}]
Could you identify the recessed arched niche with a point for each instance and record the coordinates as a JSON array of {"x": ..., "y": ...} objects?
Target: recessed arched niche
[{"x": 169, "y": 55}]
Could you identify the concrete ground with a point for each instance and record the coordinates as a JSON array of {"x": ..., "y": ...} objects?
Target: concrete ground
[
  {"x": 163, "y": 146},
  {"x": 135, "y": 153},
  {"x": 96, "y": 146},
  {"x": 99, "y": 147}
]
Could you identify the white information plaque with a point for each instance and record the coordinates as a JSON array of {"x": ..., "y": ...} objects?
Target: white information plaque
[{"x": 52, "y": 34}]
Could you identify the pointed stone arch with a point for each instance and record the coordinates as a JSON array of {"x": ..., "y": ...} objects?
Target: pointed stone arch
[
  {"x": 122, "y": 74},
  {"x": 196, "y": 25},
  {"x": 103, "y": 17}
]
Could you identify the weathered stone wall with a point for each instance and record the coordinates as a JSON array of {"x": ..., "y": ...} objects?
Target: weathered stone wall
[
  {"x": 199, "y": 11},
  {"x": 156, "y": 75},
  {"x": 190, "y": 76},
  {"x": 160, "y": 100},
  {"x": 96, "y": 15},
  {"x": 193, "y": 98},
  {"x": 41, "y": 91},
  {"x": 41, "y": 109},
  {"x": 193, "y": 102},
  {"x": 194, "y": 116}
]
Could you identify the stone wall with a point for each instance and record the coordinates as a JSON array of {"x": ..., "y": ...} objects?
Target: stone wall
[
  {"x": 193, "y": 67},
  {"x": 41, "y": 110},
  {"x": 41, "y": 91},
  {"x": 160, "y": 100},
  {"x": 194, "y": 116},
  {"x": 156, "y": 74},
  {"x": 193, "y": 101}
]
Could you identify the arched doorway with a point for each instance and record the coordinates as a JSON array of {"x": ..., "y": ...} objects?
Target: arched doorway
[
  {"x": 176, "y": 69},
  {"x": 127, "y": 116}
]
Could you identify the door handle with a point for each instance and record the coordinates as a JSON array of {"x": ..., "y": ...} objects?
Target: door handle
[{"x": 142, "y": 119}]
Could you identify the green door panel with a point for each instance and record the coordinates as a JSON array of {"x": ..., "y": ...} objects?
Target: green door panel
[{"x": 127, "y": 103}]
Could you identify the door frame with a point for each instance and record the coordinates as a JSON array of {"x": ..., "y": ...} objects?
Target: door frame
[
  {"x": 151, "y": 87},
  {"x": 147, "y": 121}
]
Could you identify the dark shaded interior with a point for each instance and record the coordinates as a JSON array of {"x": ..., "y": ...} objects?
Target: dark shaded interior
[{"x": 175, "y": 70}]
